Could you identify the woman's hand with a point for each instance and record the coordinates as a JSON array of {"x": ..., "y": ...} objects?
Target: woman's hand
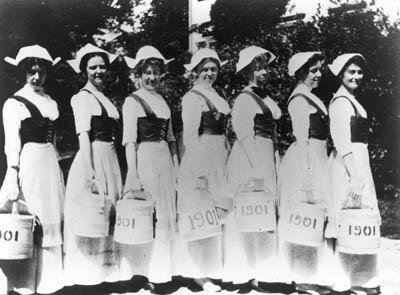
[
  {"x": 201, "y": 183},
  {"x": 133, "y": 184},
  {"x": 356, "y": 186},
  {"x": 10, "y": 188}
]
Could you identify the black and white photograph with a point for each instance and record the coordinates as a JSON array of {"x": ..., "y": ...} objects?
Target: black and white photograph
[{"x": 199, "y": 147}]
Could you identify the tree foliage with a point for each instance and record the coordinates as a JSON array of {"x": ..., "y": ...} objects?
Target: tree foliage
[{"x": 239, "y": 20}]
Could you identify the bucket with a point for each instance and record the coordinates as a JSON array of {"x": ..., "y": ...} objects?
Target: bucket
[
  {"x": 93, "y": 220},
  {"x": 359, "y": 231},
  {"x": 255, "y": 211},
  {"x": 16, "y": 235},
  {"x": 134, "y": 219},
  {"x": 304, "y": 224},
  {"x": 199, "y": 219}
]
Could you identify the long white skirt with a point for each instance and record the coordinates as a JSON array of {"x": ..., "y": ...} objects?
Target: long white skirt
[
  {"x": 91, "y": 261},
  {"x": 304, "y": 264},
  {"x": 250, "y": 255},
  {"x": 154, "y": 260},
  {"x": 42, "y": 188},
  {"x": 353, "y": 269},
  {"x": 202, "y": 258}
]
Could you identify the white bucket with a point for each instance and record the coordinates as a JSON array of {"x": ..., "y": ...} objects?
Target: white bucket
[
  {"x": 304, "y": 224},
  {"x": 255, "y": 211},
  {"x": 359, "y": 231},
  {"x": 134, "y": 219},
  {"x": 199, "y": 219},
  {"x": 94, "y": 218},
  {"x": 16, "y": 236}
]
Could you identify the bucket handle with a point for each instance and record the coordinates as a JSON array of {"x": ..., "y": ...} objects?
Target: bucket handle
[
  {"x": 133, "y": 191},
  {"x": 14, "y": 210}
]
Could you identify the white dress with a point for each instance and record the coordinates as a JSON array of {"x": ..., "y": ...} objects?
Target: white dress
[
  {"x": 342, "y": 108},
  {"x": 156, "y": 172},
  {"x": 42, "y": 187},
  {"x": 304, "y": 264},
  {"x": 250, "y": 255},
  {"x": 91, "y": 261},
  {"x": 205, "y": 155}
]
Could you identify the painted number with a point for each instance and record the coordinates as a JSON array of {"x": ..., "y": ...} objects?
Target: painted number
[
  {"x": 8, "y": 235},
  {"x": 200, "y": 219},
  {"x": 125, "y": 222},
  {"x": 250, "y": 210},
  {"x": 358, "y": 230},
  {"x": 304, "y": 221}
]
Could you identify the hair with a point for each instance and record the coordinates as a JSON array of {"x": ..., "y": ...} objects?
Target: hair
[
  {"x": 247, "y": 71},
  {"x": 302, "y": 72},
  {"x": 357, "y": 60},
  {"x": 85, "y": 59},
  {"x": 203, "y": 62},
  {"x": 27, "y": 63},
  {"x": 144, "y": 64}
]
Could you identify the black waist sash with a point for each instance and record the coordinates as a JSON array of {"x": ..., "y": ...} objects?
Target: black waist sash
[
  {"x": 150, "y": 128},
  {"x": 359, "y": 126},
  {"x": 319, "y": 121},
  {"x": 264, "y": 124},
  {"x": 102, "y": 127},
  {"x": 212, "y": 121},
  {"x": 35, "y": 128}
]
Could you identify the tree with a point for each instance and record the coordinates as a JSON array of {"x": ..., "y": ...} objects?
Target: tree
[{"x": 240, "y": 20}]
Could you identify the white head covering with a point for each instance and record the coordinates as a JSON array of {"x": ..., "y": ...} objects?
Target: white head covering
[
  {"x": 32, "y": 51},
  {"x": 88, "y": 48},
  {"x": 337, "y": 65},
  {"x": 200, "y": 55},
  {"x": 247, "y": 55},
  {"x": 144, "y": 53},
  {"x": 299, "y": 59}
]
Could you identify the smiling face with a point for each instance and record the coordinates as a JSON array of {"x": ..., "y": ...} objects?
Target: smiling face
[
  {"x": 36, "y": 75},
  {"x": 96, "y": 71},
  {"x": 207, "y": 73},
  {"x": 150, "y": 78},
  {"x": 259, "y": 72},
  {"x": 313, "y": 76},
  {"x": 352, "y": 77}
]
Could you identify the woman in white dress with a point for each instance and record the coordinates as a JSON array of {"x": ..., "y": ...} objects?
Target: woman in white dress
[
  {"x": 203, "y": 164},
  {"x": 303, "y": 175},
  {"x": 33, "y": 175},
  {"x": 91, "y": 261},
  {"x": 252, "y": 255},
  {"x": 352, "y": 182},
  {"x": 152, "y": 164}
]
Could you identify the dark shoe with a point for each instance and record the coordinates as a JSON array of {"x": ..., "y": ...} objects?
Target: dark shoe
[
  {"x": 346, "y": 292},
  {"x": 368, "y": 291}
]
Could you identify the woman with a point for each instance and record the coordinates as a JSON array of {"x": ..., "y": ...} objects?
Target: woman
[
  {"x": 352, "y": 182},
  {"x": 33, "y": 175},
  {"x": 152, "y": 162},
  {"x": 303, "y": 172},
  {"x": 203, "y": 165},
  {"x": 95, "y": 162},
  {"x": 252, "y": 255}
]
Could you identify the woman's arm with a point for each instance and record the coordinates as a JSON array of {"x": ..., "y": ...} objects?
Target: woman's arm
[
  {"x": 85, "y": 147},
  {"x": 12, "y": 124},
  {"x": 172, "y": 147},
  {"x": 129, "y": 138}
]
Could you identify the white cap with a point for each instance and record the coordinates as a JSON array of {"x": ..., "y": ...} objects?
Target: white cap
[
  {"x": 144, "y": 53},
  {"x": 337, "y": 65},
  {"x": 201, "y": 54},
  {"x": 299, "y": 59},
  {"x": 32, "y": 51},
  {"x": 247, "y": 55},
  {"x": 88, "y": 48}
]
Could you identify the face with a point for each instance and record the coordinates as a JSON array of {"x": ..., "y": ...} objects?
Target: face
[
  {"x": 259, "y": 70},
  {"x": 150, "y": 78},
  {"x": 314, "y": 75},
  {"x": 352, "y": 77},
  {"x": 96, "y": 71},
  {"x": 36, "y": 76},
  {"x": 207, "y": 73}
]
